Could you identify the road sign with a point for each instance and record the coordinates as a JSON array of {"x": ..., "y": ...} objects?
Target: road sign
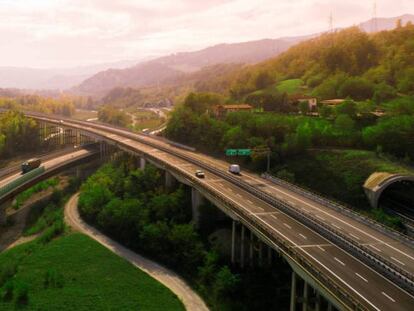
[
  {"x": 244, "y": 152},
  {"x": 231, "y": 152}
]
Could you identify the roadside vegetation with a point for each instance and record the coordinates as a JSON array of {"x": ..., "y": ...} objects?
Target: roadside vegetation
[
  {"x": 133, "y": 207},
  {"x": 69, "y": 271},
  {"x": 39, "y": 187}
]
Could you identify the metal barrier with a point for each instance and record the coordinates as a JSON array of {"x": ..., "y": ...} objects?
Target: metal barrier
[
  {"x": 345, "y": 210},
  {"x": 21, "y": 180}
]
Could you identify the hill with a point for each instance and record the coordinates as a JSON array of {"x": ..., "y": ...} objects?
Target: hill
[
  {"x": 345, "y": 63},
  {"x": 166, "y": 69},
  {"x": 185, "y": 70}
]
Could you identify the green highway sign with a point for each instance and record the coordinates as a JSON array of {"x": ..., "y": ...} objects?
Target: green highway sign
[
  {"x": 231, "y": 152},
  {"x": 238, "y": 152},
  {"x": 244, "y": 152}
]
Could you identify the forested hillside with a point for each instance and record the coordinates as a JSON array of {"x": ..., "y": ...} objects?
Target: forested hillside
[{"x": 341, "y": 64}]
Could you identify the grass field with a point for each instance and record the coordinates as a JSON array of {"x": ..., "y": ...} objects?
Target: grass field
[
  {"x": 73, "y": 272},
  {"x": 290, "y": 86}
]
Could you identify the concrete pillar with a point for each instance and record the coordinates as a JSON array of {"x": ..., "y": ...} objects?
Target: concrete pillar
[
  {"x": 269, "y": 255},
  {"x": 305, "y": 296},
  {"x": 293, "y": 292},
  {"x": 251, "y": 248},
  {"x": 318, "y": 301},
  {"x": 196, "y": 202},
  {"x": 260, "y": 253},
  {"x": 329, "y": 306},
  {"x": 242, "y": 247},
  {"x": 169, "y": 180},
  {"x": 142, "y": 163},
  {"x": 3, "y": 217},
  {"x": 233, "y": 242}
]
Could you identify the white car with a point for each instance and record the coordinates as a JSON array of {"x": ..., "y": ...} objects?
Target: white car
[
  {"x": 234, "y": 169},
  {"x": 200, "y": 174}
]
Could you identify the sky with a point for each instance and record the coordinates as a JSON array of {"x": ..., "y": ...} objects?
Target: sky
[{"x": 69, "y": 33}]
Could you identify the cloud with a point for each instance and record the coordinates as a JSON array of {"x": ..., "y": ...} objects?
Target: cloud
[{"x": 45, "y": 33}]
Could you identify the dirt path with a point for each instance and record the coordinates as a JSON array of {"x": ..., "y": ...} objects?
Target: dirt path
[{"x": 175, "y": 283}]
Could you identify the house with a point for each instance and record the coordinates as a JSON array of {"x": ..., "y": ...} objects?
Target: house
[
  {"x": 296, "y": 99},
  {"x": 221, "y": 111},
  {"x": 332, "y": 102}
]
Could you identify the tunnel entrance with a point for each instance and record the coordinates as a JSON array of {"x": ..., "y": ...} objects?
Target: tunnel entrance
[{"x": 399, "y": 198}]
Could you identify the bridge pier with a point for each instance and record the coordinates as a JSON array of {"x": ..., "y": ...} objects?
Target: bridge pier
[
  {"x": 142, "y": 163},
  {"x": 293, "y": 292},
  {"x": 233, "y": 242},
  {"x": 169, "y": 180},
  {"x": 242, "y": 247},
  {"x": 3, "y": 217},
  {"x": 197, "y": 200}
]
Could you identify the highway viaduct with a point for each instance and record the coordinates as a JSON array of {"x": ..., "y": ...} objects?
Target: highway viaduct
[{"x": 353, "y": 262}]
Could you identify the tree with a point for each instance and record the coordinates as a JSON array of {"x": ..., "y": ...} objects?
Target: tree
[
  {"x": 344, "y": 123},
  {"x": 263, "y": 80},
  {"x": 348, "y": 107},
  {"x": 356, "y": 88},
  {"x": 384, "y": 92}
]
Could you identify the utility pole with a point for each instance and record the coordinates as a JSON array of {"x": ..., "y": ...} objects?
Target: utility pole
[{"x": 374, "y": 24}]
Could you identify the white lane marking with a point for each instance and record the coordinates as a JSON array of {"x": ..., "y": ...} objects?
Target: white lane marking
[
  {"x": 321, "y": 248},
  {"x": 273, "y": 216},
  {"x": 331, "y": 215},
  {"x": 353, "y": 235},
  {"x": 342, "y": 263},
  {"x": 303, "y": 236},
  {"x": 320, "y": 263},
  {"x": 291, "y": 203},
  {"x": 359, "y": 275},
  {"x": 286, "y": 225},
  {"x": 239, "y": 195},
  {"x": 250, "y": 202},
  {"x": 376, "y": 248},
  {"x": 390, "y": 298},
  {"x": 337, "y": 227},
  {"x": 400, "y": 262},
  {"x": 321, "y": 218}
]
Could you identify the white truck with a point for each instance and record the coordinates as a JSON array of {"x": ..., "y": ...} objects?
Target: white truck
[{"x": 234, "y": 169}]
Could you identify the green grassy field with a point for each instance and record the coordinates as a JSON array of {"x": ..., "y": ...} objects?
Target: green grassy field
[
  {"x": 73, "y": 272},
  {"x": 289, "y": 86}
]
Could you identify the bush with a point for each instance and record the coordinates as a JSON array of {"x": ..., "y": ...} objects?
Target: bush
[
  {"x": 52, "y": 232},
  {"x": 7, "y": 291},
  {"x": 7, "y": 271},
  {"x": 21, "y": 293},
  {"x": 357, "y": 88},
  {"x": 53, "y": 279}
]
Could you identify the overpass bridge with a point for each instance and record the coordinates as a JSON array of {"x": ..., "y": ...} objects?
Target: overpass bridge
[
  {"x": 13, "y": 182},
  {"x": 353, "y": 262}
]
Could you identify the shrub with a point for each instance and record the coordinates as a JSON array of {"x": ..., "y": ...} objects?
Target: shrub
[
  {"x": 7, "y": 291},
  {"x": 21, "y": 293},
  {"x": 7, "y": 271}
]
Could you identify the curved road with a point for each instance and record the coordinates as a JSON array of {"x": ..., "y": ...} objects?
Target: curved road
[{"x": 174, "y": 282}]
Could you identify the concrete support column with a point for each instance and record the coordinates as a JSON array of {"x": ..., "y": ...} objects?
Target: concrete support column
[
  {"x": 251, "y": 248},
  {"x": 318, "y": 301},
  {"x": 169, "y": 180},
  {"x": 329, "y": 306},
  {"x": 269, "y": 255},
  {"x": 242, "y": 246},
  {"x": 142, "y": 163},
  {"x": 293, "y": 292},
  {"x": 3, "y": 206},
  {"x": 196, "y": 202},
  {"x": 305, "y": 296},
  {"x": 260, "y": 253},
  {"x": 233, "y": 242}
]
